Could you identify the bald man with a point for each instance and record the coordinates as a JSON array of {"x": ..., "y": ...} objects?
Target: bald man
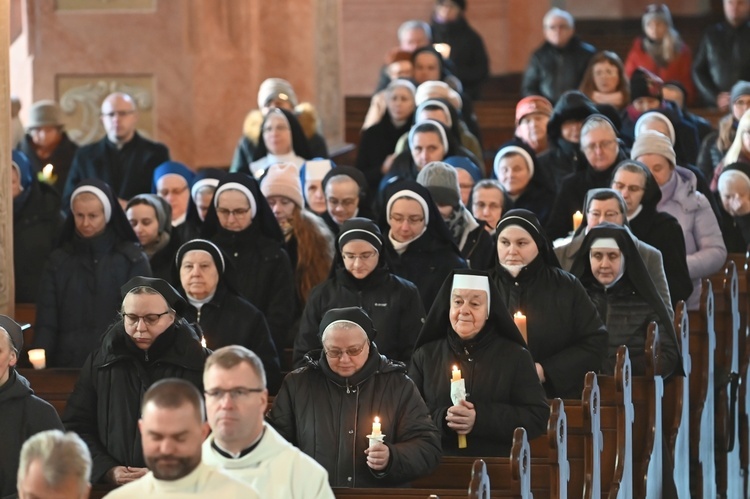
[{"x": 123, "y": 159}]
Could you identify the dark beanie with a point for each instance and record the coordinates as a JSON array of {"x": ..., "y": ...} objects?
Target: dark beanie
[
  {"x": 739, "y": 89},
  {"x": 354, "y": 315},
  {"x": 161, "y": 286},
  {"x": 363, "y": 229},
  {"x": 644, "y": 83},
  {"x": 14, "y": 330}
]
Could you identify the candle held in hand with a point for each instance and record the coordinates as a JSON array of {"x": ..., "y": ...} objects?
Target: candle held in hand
[
  {"x": 376, "y": 427},
  {"x": 456, "y": 374},
  {"x": 577, "y": 219},
  {"x": 520, "y": 321}
]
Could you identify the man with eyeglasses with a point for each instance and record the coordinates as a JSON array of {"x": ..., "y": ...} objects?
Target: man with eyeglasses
[
  {"x": 241, "y": 443},
  {"x": 329, "y": 408},
  {"x": 122, "y": 158}
]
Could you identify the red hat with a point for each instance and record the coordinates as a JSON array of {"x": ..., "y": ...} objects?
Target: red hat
[{"x": 532, "y": 104}]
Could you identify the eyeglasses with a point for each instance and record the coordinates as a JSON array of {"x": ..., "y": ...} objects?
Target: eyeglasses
[
  {"x": 363, "y": 257},
  {"x": 351, "y": 352},
  {"x": 234, "y": 393},
  {"x": 119, "y": 114},
  {"x": 148, "y": 319},
  {"x": 604, "y": 144},
  {"x": 236, "y": 213},
  {"x": 175, "y": 192},
  {"x": 344, "y": 203},
  {"x": 634, "y": 189},
  {"x": 607, "y": 215},
  {"x": 399, "y": 219}
]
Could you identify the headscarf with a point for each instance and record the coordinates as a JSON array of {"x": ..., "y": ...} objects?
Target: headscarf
[
  {"x": 590, "y": 197},
  {"x": 224, "y": 266},
  {"x": 262, "y": 215},
  {"x": 117, "y": 221},
  {"x": 530, "y": 223},
  {"x": 743, "y": 221},
  {"x": 437, "y": 325},
  {"x": 172, "y": 168},
  {"x": 161, "y": 207},
  {"x": 173, "y": 298},
  {"x": 572, "y": 105},
  {"x": 300, "y": 145},
  {"x": 204, "y": 177}
]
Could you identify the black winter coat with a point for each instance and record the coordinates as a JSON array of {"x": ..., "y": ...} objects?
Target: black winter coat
[
  {"x": 22, "y": 414},
  {"x": 79, "y": 295},
  {"x": 328, "y": 417},
  {"x": 468, "y": 54},
  {"x": 553, "y": 70},
  {"x": 375, "y": 144},
  {"x": 500, "y": 380},
  {"x": 230, "y": 320},
  {"x": 264, "y": 277},
  {"x": 36, "y": 227},
  {"x": 565, "y": 335},
  {"x": 479, "y": 249},
  {"x": 128, "y": 171},
  {"x": 722, "y": 59},
  {"x": 105, "y": 405},
  {"x": 392, "y": 303},
  {"x": 61, "y": 159}
]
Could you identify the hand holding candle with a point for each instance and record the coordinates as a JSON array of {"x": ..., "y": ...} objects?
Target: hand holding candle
[
  {"x": 376, "y": 436},
  {"x": 458, "y": 393},
  {"x": 577, "y": 219},
  {"x": 376, "y": 427},
  {"x": 520, "y": 321},
  {"x": 47, "y": 175}
]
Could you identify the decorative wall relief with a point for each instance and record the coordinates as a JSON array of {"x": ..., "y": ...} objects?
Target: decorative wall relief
[
  {"x": 81, "y": 97},
  {"x": 105, "y": 4}
]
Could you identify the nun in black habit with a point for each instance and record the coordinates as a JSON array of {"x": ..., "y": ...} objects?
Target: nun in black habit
[{"x": 470, "y": 329}]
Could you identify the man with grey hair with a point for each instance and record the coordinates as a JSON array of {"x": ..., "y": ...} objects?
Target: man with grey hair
[
  {"x": 22, "y": 414},
  {"x": 55, "y": 465},
  {"x": 122, "y": 158},
  {"x": 412, "y": 35},
  {"x": 242, "y": 444},
  {"x": 559, "y": 64}
]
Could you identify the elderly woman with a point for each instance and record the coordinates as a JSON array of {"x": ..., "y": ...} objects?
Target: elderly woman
[
  {"x": 516, "y": 168},
  {"x": 282, "y": 140},
  {"x": 346, "y": 196},
  {"x": 172, "y": 181},
  {"x": 150, "y": 217},
  {"x": 704, "y": 245},
  {"x": 151, "y": 341},
  {"x": 734, "y": 191},
  {"x": 604, "y": 81},
  {"x": 565, "y": 336},
  {"x": 468, "y": 329},
  {"x": 224, "y": 317},
  {"x": 419, "y": 247},
  {"x": 240, "y": 222},
  {"x": 618, "y": 283},
  {"x": 78, "y": 297},
  {"x": 316, "y": 412},
  {"x": 360, "y": 277},
  {"x": 22, "y": 414}
]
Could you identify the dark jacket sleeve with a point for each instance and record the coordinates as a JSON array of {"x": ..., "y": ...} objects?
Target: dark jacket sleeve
[
  {"x": 412, "y": 319},
  {"x": 281, "y": 312},
  {"x": 42, "y": 416},
  {"x": 307, "y": 336},
  {"x": 46, "y": 326},
  {"x": 262, "y": 345},
  {"x": 702, "y": 73},
  {"x": 281, "y": 416},
  {"x": 416, "y": 373},
  {"x": 532, "y": 77}
]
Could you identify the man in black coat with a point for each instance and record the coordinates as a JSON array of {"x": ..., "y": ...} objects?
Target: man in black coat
[
  {"x": 558, "y": 65},
  {"x": 723, "y": 56},
  {"x": 123, "y": 159}
]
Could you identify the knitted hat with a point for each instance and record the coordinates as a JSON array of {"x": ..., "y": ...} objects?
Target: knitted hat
[
  {"x": 442, "y": 182},
  {"x": 44, "y": 113},
  {"x": 273, "y": 88},
  {"x": 282, "y": 179},
  {"x": 653, "y": 142},
  {"x": 739, "y": 89},
  {"x": 655, "y": 115},
  {"x": 14, "y": 330},
  {"x": 352, "y": 315},
  {"x": 657, "y": 11},
  {"x": 532, "y": 104},
  {"x": 361, "y": 229},
  {"x": 644, "y": 83}
]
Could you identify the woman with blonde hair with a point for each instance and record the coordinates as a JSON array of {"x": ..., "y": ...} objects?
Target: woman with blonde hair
[
  {"x": 604, "y": 81},
  {"x": 738, "y": 152}
]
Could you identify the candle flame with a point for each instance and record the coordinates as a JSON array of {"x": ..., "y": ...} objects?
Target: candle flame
[
  {"x": 377, "y": 419},
  {"x": 455, "y": 367},
  {"x": 578, "y": 213},
  {"x": 203, "y": 342},
  {"x": 47, "y": 170},
  {"x": 518, "y": 314}
]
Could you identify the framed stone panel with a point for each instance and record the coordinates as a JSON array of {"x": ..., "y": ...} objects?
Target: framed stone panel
[{"x": 81, "y": 96}]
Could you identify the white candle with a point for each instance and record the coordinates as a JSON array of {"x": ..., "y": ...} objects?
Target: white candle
[
  {"x": 38, "y": 358},
  {"x": 520, "y": 321},
  {"x": 47, "y": 171},
  {"x": 376, "y": 427},
  {"x": 577, "y": 219},
  {"x": 456, "y": 374}
]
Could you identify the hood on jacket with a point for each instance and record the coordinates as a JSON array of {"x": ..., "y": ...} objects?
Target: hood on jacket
[
  {"x": 17, "y": 387},
  {"x": 572, "y": 105}
]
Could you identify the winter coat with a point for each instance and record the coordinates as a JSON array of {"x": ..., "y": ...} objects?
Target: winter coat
[
  {"x": 722, "y": 59},
  {"x": 328, "y": 417},
  {"x": 468, "y": 54},
  {"x": 22, "y": 414},
  {"x": 704, "y": 245},
  {"x": 537, "y": 198},
  {"x": 478, "y": 248},
  {"x": 679, "y": 68},
  {"x": 710, "y": 155},
  {"x": 61, "y": 159},
  {"x": 243, "y": 155},
  {"x": 686, "y": 143},
  {"x": 553, "y": 70},
  {"x": 230, "y": 320},
  {"x": 128, "y": 170},
  {"x": 375, "y": 144},
  {"x": 79, "y": 294},
  {"x": 36, "y": 227},
  {"x": 392, "y": 303},
  {"x": 106, "y": 402},
  {"x": 564, "y": 333}
]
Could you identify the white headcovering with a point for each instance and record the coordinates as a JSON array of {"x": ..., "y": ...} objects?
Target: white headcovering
[
  {"x": 316, "y": 169},
  {"x": 99, "y": 194},
  {"x": 516, "y": 150},
  {"x": 406, "y": 193},
  {"x": 200, "y": 184},
  {"x": 440, "y": 129},
  {"x": 237, "y": 187},
  {"x": 477, "y": 282}
]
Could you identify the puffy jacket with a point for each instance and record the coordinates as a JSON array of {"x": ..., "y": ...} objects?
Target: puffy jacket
[
  {"x": 328, "y": 417},
  {"x": 79, "y": 294},
  {"x": 392, "y": 303},
  {"x": 553, "y": 70},
  {"x": 679, "y": 68},
  {"x": 565, "y": 335},
  {"x": 105, "y": 405},
  {"x": 22, "y": 414},
  {"x": 722, "y": 59}
]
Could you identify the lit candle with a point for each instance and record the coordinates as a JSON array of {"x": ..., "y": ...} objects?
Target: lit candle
[
  {"x": 520, "y": 321},
  {"x": 456, "y": 374},
  {"x": 47, "y": 171},
  {"x": 203, "y": 342},
  {"x": 38, "y": 358},
  {"x": 376, "y": 427},
  {"x": 443, "y": 49},
  {"x": 577, "y": 219}
]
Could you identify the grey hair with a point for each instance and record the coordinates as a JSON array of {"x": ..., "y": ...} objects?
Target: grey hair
[
  {"x": 557, "y": 12},
  {"x": 412, "y": 25},
  {"x": 341, "y": 178},
  {"x": 597, "y": 123},
  {"x": 61, "y": 456},
  {"x": 488, "y": 183},
  {"x": 345, "y": 325}
]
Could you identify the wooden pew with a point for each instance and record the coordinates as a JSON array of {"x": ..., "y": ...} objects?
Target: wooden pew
[
  {"x": 676, "y": 413},
  {"x": 727, "y": 323},
  {"x": 702, "y": 356},
  {"x": 585, "y": 441},
  {"x": 53, "y": 385}
]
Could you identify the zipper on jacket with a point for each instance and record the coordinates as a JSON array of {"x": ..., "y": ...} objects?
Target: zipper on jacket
[{"x": 146, "y": 353}]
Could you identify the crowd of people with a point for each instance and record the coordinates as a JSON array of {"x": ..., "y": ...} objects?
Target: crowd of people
[{"x": 396, "y": 283}]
